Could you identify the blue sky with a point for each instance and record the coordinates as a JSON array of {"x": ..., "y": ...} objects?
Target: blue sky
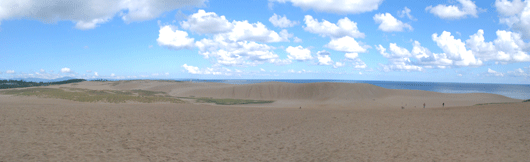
[{"x": 440, "y": 41}]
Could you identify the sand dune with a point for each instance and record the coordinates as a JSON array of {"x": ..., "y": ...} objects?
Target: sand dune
[
  {"x": 310, "y": 95},
  {"x": 40, "y": 129},
  {"x": 338, "y": 122}
]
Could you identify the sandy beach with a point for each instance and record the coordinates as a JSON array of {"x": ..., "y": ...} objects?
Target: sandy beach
[{"x": 337, "y": 122}]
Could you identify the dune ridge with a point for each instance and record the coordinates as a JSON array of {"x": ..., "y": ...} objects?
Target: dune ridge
[{"x": 322, "y": 94}]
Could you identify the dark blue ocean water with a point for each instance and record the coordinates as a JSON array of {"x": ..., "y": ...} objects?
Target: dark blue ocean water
[{"x": 518, "y": 91}]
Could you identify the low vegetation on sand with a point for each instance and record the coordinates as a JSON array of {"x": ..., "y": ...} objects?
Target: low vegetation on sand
[
  {"x": 5, "y": 84},
  {"x": 527, "y": 100},
  {"x": 85, "y": 95},
  {"x": 495, "y": 103},
  {"x": 227, "y": 101}
]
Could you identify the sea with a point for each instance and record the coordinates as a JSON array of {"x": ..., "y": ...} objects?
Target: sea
[{"x": 517, "y": 91}]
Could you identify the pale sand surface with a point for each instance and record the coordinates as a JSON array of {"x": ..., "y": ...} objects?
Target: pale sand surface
[{"x": 354, "y": 128}]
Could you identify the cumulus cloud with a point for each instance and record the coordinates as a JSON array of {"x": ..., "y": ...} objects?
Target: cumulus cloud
[
  {"x": 494, "y": 73},
  {"x": 464, "y": 9},
  {"x": 323, "y": 58},
  {"x": 428, "y": 59},
  {"x": 238, "y": 53},
  {"x": 508, "y": 47},
  {"x": 88, "y": 14},
  {"x": 519, "y": 73},
  {"x": 169, "y": 36},
  {"x": 509, "y": 8},
  {"x": 455, "y": 50},
  {"x": 208, "y": 71},
  {"x": 245, "y": 31},
  {"x": 338, "y": 64},
  {"x": 347, "y": 44},
  {"x": 398, "y": 59},
  {"x": 299, "y": 53},
  {"x": 516, "y": 15},
  {"x": 297, "y": 40},
  {"x": 96, "y": 74},
  {"x": 204, "y": 22},
  {"x": 344, "y": 27},
  {"x": 406, "y": 12},
  {"x": 112, "y": 75},
  {"x": 236, "y": 43},
  {"x": 66, "y": 70},
  {"x": 389, "y": 23},
  {"x": 335, "y": 6},
  {"x": 282, "y": 22},
  {"x": 42, "y": 70},
  {"x": 10, "y": 71},
  {"x": 300, "y": 71}
]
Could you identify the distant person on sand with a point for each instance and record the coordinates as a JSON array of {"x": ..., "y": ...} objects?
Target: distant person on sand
[
  {"x": 443, "y": 104},
  {"x": 423, "y": 105}
]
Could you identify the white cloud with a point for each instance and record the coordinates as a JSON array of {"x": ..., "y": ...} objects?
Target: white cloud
[
  {"x": 466, "y": 7},
  {"x": 509, "y": 8},
  {"x": 508, "y": 47},
  {"x": 389, "y": 23},
  {"x": 91, "y": 24},
  {"x": 238, "y": 53},
  {"x": 112, "y": 75},
  {"x": 355, "y": 60},
  {"x": 347, "y": 44},
  {"x": 351, "y": 56},
  {"x": 96, "y": 74},
  {"x": 401, "y": 66},
  {"x": 516, "y": 15},
  {"x": 336, "y": 6},
  {"x": 297, "y": 40},
  {"x": 406, "y": 12},
  {"x": 459, "y": 75},
  {"x": 344, "y": 27},
  {"x": 300, "y": 71},
  {"x": 338, "y": 64},
  {"x": 455, "y": 50},
  {"x": 207, "y": 23},
  {"x": 358, "y": 63},
  {"x": 235, "y": 44},
  {"x": 42, "y": 70},
  {"x": 395, "y": 51},
  {"x": 191, "y": 69},
  {"x": 88, "y": 14},
  {"x": 494, "y": 73},
  {"x": 262, "y": 70},
  {"x": 299, "y": 53},
  {"x": 245, "y": 31},
  {"x": 282, "y": 22},
  {"x": 428, "y": 59},
  {"x": 10, "y": 71},
  {"x": 323, "y": 58},
  {"x": 66, "y": 70},
  {"x": 169, "y": 36},
  {"x": 518, "y": 73},
  {"x": 216, "y": 70},
  {"x": 398, "y": 59}
]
